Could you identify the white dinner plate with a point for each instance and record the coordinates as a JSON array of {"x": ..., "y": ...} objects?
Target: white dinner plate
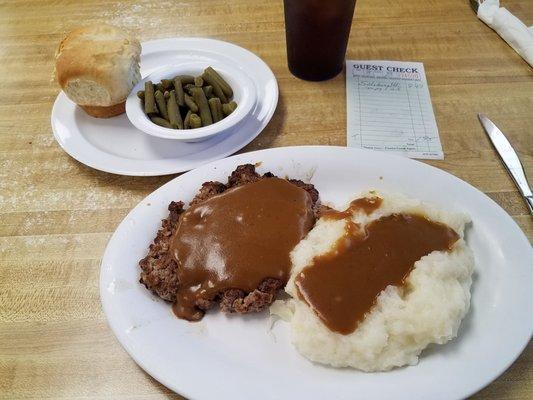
[
  {"x": 115, "y": 145},
  {"x": 239, "y": 357}
]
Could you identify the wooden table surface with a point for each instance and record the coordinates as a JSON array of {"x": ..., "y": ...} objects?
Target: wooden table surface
[{"x": 56, "y": 215}]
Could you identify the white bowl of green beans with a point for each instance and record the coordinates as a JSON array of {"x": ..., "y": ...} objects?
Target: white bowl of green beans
[{"x": 191, "y": 102}]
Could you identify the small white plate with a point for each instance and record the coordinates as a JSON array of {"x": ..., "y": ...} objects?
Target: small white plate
[
  {"x": 115, "y": 145},
  {"x": 239, "y": 357}
]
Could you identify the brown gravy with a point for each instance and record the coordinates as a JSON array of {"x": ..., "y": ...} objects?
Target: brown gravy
[
  {"x": 363, "y": 204},
  {"x": 237, "y": 239},
  {"x": 342, "y": 285}
]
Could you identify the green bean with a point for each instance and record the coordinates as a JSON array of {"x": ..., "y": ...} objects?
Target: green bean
[
  {"x": 222, "y": 83},
  {"x": 161, "y": 104},
  {"x": 205, "y": 99},
  {"x": 228, "y": 108},
  {"x": 185, "y": 79},
  {"x": 201, "y": 101},
  {"x": 198, "y": 81},
  {"x": 216, "y": 87},
  {"x": 174, "y": 115},
  {"x": 167, "y": 83},
  {"x": 178, "y": 87},
  {"x": 216, "y": 109},
  {"x": 195, "y": 121},
  {"x": 189, "y": 88},
  {"x": 160, "y": 121},
  {"x": 186, "y": 121},
  {"x": 208, "y": 90},
  {"x": 189, "y": 102},
  {"x": 149, "y": 100}
]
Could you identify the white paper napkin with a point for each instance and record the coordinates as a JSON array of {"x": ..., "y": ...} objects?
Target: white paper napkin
[{"x": 510, "y": 28}]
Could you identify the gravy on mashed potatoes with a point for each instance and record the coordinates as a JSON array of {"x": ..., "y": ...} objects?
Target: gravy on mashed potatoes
[
  {"x": 374, "y": 285},
  {"x": 342, "y": 285}
]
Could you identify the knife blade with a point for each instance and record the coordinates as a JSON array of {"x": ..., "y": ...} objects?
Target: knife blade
[{"x": 509, "y": 157}]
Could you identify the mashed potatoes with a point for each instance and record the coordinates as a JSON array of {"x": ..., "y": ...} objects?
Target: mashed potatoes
[{"x": 405, "y": 320}]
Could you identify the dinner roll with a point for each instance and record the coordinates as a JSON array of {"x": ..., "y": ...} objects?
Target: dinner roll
[{"x": 97, "y": 66}]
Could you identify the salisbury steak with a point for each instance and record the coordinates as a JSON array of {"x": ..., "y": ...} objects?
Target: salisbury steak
[{"x": 161, "y": 270}]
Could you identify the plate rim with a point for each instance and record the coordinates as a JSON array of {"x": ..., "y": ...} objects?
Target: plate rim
[
  {"x": 191, "y": 394},
  {"x": 153, "y": 45}
]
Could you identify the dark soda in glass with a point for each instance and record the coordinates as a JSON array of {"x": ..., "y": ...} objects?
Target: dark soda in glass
[{"x": 317, "y": 35}]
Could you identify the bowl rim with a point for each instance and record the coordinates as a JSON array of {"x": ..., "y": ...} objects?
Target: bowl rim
[{"x": 140, "y": 120}]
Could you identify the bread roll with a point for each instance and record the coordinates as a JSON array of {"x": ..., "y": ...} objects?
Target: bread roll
[{"x": 97, "y": 67}]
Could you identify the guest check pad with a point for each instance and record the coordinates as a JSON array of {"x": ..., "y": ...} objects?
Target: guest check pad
[{"x": 389, "y": 109}]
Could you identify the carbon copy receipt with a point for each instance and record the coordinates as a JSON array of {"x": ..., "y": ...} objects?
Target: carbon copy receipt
[{"x": 389, "y": 109}]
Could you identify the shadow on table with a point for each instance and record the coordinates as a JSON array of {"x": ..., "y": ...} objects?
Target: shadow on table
[{"x": 164, "y": 391}]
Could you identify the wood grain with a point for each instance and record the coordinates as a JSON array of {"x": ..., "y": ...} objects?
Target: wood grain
[{"x": 56, "y": 215}]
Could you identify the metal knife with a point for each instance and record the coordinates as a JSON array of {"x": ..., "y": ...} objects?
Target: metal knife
[{"x": 510, "y": 159}]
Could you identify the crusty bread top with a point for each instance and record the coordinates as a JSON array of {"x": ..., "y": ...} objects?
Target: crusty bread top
[{"x": 98, "y": 65}]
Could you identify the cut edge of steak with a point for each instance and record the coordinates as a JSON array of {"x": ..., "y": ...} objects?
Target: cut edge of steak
[
  {"x": 159, "y": 269},
  {"x": 237, "y": 301}
]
